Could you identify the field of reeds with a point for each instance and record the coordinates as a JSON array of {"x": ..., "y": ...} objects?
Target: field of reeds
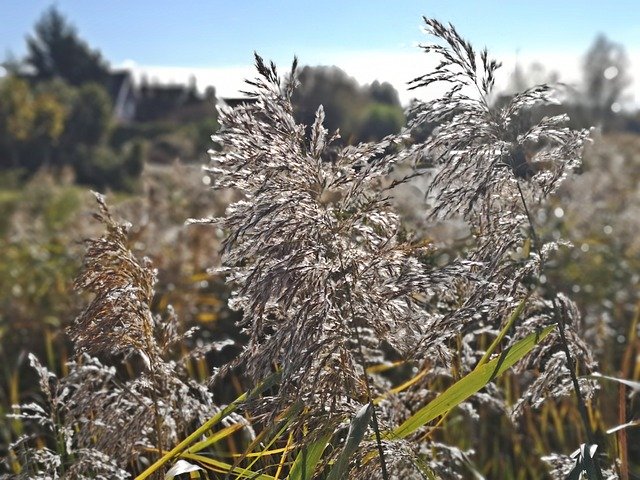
[{"x": 463, "y": 306}]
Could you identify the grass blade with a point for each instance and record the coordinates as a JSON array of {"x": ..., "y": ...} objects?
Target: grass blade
[
  {"x": 215, "y": 438},
  {"x": 269, "y": 382},
  {"x": 288, "y": 418},
  {"x": 305, "y": 463},
  {"x": 512, "y": 319},
  {"x": 224, "y": 467},
  {"x": 470, "y": 384},
  {"x": 356, "y": 433}
]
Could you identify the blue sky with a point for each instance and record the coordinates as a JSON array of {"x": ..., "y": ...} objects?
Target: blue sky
[{"x": 215, "y": 39}]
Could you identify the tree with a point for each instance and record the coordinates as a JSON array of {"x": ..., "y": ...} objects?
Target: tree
[
  {"x": 16, "y": 114},
  {"x": 16, "y": 119},
  {"x": 348, "y": 106},
  {"x": 90, "y": 118},
  {"x": 48, "y": 125},
  {"x": 31, "y": 123},
  {"x": 606, "y": 76},
  {"x": 332, "y": 88},
  {"x": 380, "y": 120},
  {"x": 384, "y": 93},
  {"x": 56, "y": 51},
  {"x": 522, "y": 79}
]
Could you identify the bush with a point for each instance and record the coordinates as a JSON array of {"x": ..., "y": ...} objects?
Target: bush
[
  {"x": 102, "y": 168},
  {"x": 90, "y": 119},
  {"x": 380, "y": 120}
]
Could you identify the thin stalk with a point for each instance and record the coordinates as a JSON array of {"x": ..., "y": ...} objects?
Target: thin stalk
[
  {"x": 363, "y": 364},
  {"x": 155, "y": 384},
  {"x": 184, "y": 444},
  {"x": 622, "y": 434},
  {"x": 534, "y": 236},
  {"x": 582, "y": 408},
  {"x": 625, "y": 372}
]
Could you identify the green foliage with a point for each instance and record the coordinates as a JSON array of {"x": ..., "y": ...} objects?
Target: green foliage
[
  {"x": 31, "y": 124},
  {"x": 166, "y": 141},
  {"x": 357, "y": 429},
  {"x": 55, "y": 125},
  {"x": 308, "y": 458},
  {"x": 50, "y": 115},
  {"x": 62, "y": 115},
  {"x": 103, "y": 168},
  {"x": 380, "y": 120},
  {"x": 36, "y": 262},
  {"x": 126, "y": 132},
  {"x": 470, "y": 384},
  {"x": 133, "y": 160},
  {"x": 203, "y": 131},
  {"x": 362, "y": 113},
  {"x": 90, "y": 117},
  {"x": 16, "y": 109}
]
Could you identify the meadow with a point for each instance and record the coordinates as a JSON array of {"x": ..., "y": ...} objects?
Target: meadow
[{"x": 462, "y": 304}]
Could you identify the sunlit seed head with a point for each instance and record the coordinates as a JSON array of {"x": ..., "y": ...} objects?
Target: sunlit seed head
[{"x": 611, "y": 72}]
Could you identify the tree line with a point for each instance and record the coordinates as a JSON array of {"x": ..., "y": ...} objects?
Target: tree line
[{"x": 57, "y": 108}]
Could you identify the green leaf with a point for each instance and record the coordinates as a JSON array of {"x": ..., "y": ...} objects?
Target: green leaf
[
  {"x": 512, "y": 319},
  {"x": 215, "y": 437},
  {"x": 269, "y": 382},
  {"x": 306, "y": 461},
  {"x": 470, "y": 384},
  {"x": 356, "y": 433},
  {"x": 288, "y": 418}
]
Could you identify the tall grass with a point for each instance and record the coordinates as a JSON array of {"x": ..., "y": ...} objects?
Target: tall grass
[{"x": 369, "y": 353}]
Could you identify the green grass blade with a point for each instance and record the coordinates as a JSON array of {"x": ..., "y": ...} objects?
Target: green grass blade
[
  {"x": 512, "y": 319},
  {"x": 357, "y": 429},
  {"x": 305, "y": 463},
  {"x": 269, "y": 382},
  {"x": 287, "y": 419},
  {"x": 215, "y": 438},
  {"x": 470, "y": 384}
]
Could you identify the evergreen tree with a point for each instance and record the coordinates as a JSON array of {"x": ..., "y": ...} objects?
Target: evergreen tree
[{"x": 56, "y": 51}]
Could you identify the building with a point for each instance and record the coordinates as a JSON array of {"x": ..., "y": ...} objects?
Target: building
[{"x": 124, "y": 95}]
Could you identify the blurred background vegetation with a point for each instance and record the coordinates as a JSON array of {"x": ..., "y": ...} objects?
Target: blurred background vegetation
[{"x": 69, "y": 122}]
